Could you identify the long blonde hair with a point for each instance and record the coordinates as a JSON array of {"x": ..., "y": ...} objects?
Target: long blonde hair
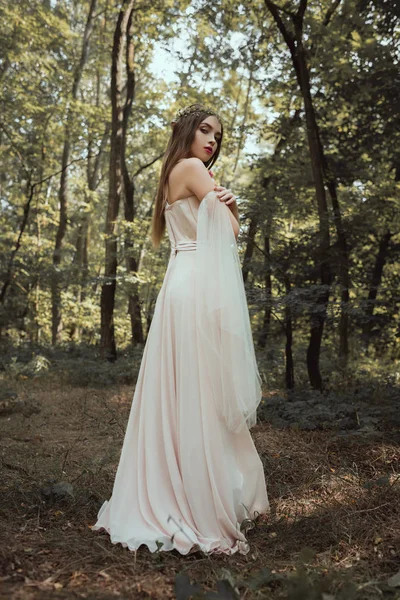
[{"x": 178, "y": 147}]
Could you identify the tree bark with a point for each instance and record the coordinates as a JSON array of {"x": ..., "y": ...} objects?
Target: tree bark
[
  {"x": 269, "y": 185},
  {"x": 289, "y": 365},
  {"x": 244, "y": 119},
  {"x": 83, "y": 231},
  {"x": 343, "y": 263},
  {"x": 248, "y": 253},
  {"x": 10, "y": 267},
  {"x": 264, "y": 333},
  {"x": 56, "y": 281},
  {"x": 108, "y": 348},
  {"x": 131, "y": 261},
  {"x": 376, "y": 280}
]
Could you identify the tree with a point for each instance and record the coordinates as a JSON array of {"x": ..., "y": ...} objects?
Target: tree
[
  {"x": 63, "y": 190},
  {"x": 297, "y": 50},
  {"x": 107, "y": 342}
]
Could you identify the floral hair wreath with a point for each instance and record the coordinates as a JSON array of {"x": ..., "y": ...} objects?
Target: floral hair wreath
[{"x": 194, "y": 109}]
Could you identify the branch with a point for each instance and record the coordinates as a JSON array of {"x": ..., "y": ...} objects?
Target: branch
[
  {"x": 284, "y": 10},
  {"x": 273, "y": 9},
  {"x": 146, "y": 166},
  {"x": 330, "y": 12},
  {"x": 75, "y": 160},
  {"x": 301, "y": 10},
  {"x": 93, "y": 177},
  {"x": 18, "y": 153}
]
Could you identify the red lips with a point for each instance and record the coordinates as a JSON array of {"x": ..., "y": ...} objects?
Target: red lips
[{"x": 208, "y": 149}]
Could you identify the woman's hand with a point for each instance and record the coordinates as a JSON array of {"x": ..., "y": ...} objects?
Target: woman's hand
[
  {"x": 229, "y": 198},
  {"x": 225, "y": 195}
]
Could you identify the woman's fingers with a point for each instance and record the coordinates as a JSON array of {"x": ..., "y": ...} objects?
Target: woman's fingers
[
  {"x": 226, "y": 197},
  {"x": 224, "y": 194}
]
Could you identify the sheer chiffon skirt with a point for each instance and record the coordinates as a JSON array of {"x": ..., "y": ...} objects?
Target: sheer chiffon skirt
[{"x": 184, "y": 480}]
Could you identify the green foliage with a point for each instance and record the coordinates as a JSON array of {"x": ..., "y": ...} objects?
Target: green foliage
[
  {"x": 73, "y": 365},
  {"x": 236, "y": 60},
  {"x": 18, "y": 370}
]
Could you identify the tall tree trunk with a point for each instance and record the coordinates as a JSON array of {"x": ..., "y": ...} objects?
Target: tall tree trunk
[
  {"x": 244, "y": 119},
  {"x": 344, "y": 276},
  {"x": 56, "y": 280},
  {"x": 289, "y": 365},
  {"x": 131, "y": 260},
  {"x": 248, "y": 253},
  {"x": 108, "y": 348},
  {"x": 10, "y": 267},
  {"x": 376, "y": 280},
  {"x": 269, "y": 185},
  {"x": 82, "y": 267},
  {"x": 264, "y": 333},
  {"x": 319, "y": 316},
  {"x": 83, "y": 231},
  {"x": 236, "y": 106},
  {"x": 297, "y": 51}
]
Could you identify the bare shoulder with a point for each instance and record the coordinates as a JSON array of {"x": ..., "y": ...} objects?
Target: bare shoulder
[
  {"x": 189, "y": 165},
  {"x": 193, "y": 162},
  {"x": 189, "y": 177},
  {"x": 196, "y": 177}
]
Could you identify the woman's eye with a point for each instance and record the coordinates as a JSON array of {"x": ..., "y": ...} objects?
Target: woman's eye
[{"x": 218, "y": 139}]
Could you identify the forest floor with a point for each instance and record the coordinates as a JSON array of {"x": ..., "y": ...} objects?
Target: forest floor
[{"x": 333, "y": 532}]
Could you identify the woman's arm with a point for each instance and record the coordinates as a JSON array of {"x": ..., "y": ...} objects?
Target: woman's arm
[
  {"x": 234, "y": 220},
  {"x": 198, "y": 181},
  {"x": 230, "y": 201}
]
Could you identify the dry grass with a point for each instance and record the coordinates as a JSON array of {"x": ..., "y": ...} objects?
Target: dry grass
[{"x": 338, "y": 496}]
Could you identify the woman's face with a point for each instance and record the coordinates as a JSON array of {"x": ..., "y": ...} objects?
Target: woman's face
[{"x": 207, "y": 137}]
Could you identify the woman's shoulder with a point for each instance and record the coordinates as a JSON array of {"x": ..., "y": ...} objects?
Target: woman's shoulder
[
  {"x": 191, "y": 165},
  {"x": 185, "y": 170},
  {"x": 182, "y": 175}
]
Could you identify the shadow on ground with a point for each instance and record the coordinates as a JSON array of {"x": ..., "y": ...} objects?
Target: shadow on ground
[{"x": 333, "y": 528}]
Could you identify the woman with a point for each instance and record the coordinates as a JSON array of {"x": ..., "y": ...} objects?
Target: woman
[{"x": 189, "y": 476}]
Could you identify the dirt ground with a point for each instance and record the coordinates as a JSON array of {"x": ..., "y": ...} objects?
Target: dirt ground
[{"x": 333, "y": 532}]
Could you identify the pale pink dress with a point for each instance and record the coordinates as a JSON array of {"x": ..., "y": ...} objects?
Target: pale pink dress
[{"x": 186, "y": 480}]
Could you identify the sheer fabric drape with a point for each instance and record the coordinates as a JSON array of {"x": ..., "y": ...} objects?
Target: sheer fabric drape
[{"x": 227, "y": 357}]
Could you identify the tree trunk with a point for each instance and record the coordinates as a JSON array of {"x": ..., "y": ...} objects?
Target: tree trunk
[
  {"x": 264, "y": 333},
  {"x": 244, "y": 120},
  {"x": 56, "y": 280},
  {"x": 131, "y": 260},
  {"x": 318, "y": 316},
  {"x": 269, "y": 185},
  {"x": 82, "y": 267},
  {"x": 83, "y": 230},
  {"x": 343, "y": 266},
  {"x": 289, "y": 365},
  {"x": 248, "y": 253},
  {"x": 108, "y": 348},
  {"x": 10, "y": 267},
  {"x": 376, "y": 280}
]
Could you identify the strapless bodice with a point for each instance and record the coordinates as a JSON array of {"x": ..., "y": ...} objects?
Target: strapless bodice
[{"x": 181, "y": 223}]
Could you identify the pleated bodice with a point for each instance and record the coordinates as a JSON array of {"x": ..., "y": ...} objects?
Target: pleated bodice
[{"x": 181, "y": 222}]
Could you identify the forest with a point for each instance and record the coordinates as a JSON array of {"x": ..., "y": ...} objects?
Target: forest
[{"x": 307, "y": 90}]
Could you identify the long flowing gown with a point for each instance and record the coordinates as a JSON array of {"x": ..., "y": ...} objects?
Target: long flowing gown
[{"x": 187, "y": 479}]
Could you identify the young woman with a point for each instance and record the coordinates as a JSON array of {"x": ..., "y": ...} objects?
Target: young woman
[{"x": 189, "y": 476}]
